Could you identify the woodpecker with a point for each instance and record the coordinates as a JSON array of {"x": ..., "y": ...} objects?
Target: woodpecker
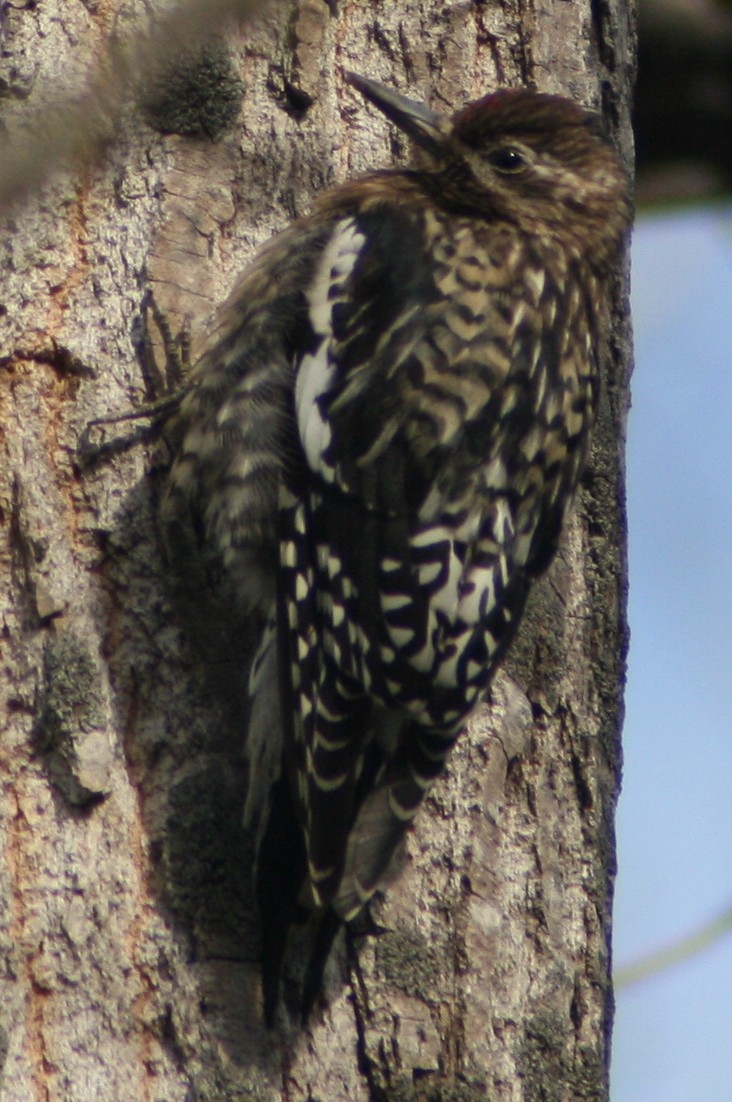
[{"x": 380, "y": 443}]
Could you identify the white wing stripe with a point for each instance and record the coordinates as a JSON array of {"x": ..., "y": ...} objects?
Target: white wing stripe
[{"x": 316, "y": 370}]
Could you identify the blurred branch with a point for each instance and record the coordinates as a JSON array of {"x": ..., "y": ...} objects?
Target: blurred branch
[
  {"x": 75, "y": 130},
  {"x": 683, "y": 105},
  {"x": 689, "y": 946}
]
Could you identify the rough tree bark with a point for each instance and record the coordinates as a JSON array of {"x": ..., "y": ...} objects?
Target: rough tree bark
[{"x": 127, "y": 934}]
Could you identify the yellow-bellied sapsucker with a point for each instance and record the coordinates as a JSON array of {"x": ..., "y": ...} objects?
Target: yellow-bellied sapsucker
[{"x": 381, "y": 441}]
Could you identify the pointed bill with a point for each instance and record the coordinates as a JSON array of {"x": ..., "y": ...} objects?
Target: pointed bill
[{"x": 425, "y": 127}]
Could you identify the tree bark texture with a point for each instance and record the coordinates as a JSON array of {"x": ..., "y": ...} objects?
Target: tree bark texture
[{"x": 128, "y": 938}]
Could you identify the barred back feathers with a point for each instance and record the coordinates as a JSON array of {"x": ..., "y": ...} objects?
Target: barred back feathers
[{"x": 381, "y": 442}]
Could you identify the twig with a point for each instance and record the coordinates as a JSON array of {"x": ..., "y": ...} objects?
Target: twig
[{"x": 688, "y": 946}]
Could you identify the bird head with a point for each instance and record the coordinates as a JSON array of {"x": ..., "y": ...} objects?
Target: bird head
[{"x": 538, "y": 160}]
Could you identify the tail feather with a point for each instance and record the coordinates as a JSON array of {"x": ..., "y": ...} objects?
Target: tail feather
[
  {"x": 281, "y": 870},
  {"x": 265, "y": 736},
  {"x": 372, "y": 842},
  {"x": 325, "y": 855},
  {"x": 410, "y": 768},
  {"x": 328, "y": 927}
]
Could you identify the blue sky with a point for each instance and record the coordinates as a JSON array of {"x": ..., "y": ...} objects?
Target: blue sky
[{"x": 673, "y": 1037}]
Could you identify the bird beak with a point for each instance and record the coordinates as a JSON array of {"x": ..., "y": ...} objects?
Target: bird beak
[{"x": 425, "y": 127}]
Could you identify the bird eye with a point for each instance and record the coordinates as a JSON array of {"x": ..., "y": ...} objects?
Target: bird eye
[{"x": 507, "y": 159}]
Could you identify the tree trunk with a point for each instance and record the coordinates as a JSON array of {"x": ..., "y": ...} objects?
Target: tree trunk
[{"x": 128, "y": 935}]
